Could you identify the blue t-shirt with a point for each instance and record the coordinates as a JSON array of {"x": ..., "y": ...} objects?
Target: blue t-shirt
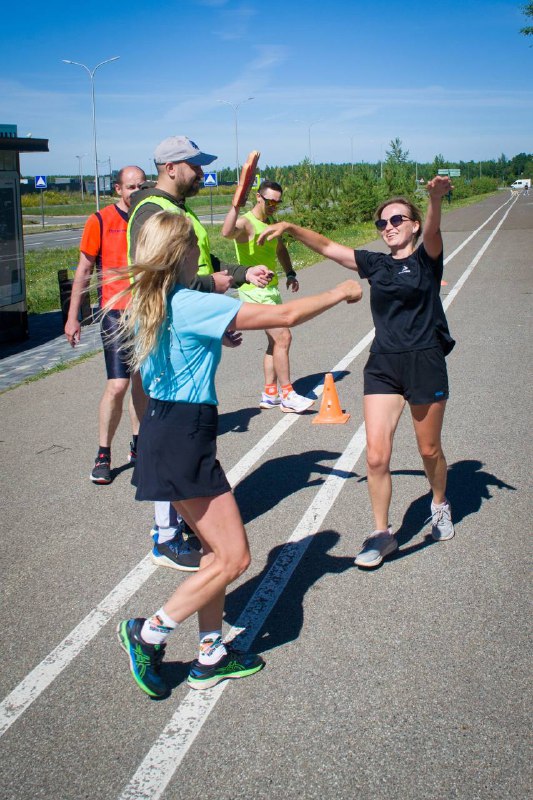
[{"x": 182, "y": 367}]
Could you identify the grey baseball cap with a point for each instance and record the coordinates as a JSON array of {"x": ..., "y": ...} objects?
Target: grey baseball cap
[{"x": 180, "y": 148}]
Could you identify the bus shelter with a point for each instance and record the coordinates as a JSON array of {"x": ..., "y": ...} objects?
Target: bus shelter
[{"x": 13, "y": 306}]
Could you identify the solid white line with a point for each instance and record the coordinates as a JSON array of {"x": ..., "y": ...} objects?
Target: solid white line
[
  {"x": 468, "y": 271},
  {"x": 164, "y": 757},
  {"x": 55, "y": 662},
  {"x": 474, "y": 233}
]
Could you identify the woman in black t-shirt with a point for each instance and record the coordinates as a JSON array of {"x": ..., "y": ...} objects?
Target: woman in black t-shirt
[{"x": 406, "y": 362}]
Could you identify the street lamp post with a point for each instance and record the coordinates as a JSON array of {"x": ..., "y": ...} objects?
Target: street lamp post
[
  {"x": 91, "y": 76},
  {"x": 235, "y": 107},
  {"x": 309, "y": 126},
  {"x": 80, "y": 159}
]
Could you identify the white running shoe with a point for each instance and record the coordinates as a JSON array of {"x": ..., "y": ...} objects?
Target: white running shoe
[
  {"x": 270, "y": 401},
  {"x": 295, "y": 403},
  {"x": 376, "y": 547},
  {"x": 441, "y": 522}
]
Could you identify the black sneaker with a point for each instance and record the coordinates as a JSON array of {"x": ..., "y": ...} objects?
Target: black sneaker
[
  {"x": 102, "y": 469},
  {"x": 233, "y": 665},
  {"x": 145, "y": 659},
  {"x": 176, "y": 553},
  {"x": 132, "y": 456}
]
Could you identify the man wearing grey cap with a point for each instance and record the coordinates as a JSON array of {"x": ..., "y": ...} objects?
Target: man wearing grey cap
[{"x": 179, "y": 163}]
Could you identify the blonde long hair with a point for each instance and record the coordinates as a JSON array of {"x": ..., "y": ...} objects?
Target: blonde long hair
[{"x": 163, "y": 242}]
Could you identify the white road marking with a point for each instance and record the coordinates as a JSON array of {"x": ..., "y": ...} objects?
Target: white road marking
[{"x": 32, "y": 686}]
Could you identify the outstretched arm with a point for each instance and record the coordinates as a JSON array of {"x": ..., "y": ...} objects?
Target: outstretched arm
[
  {"x": 258, "y": 316},
  {"x": 432, "y": 237},
  {"x": 340, "y": 253}
]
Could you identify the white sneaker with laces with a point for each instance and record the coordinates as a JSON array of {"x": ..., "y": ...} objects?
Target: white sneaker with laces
[
  {"x": 295, "y": 403},
  {"x": 441, "y": 522},
  {"x": 270, "y": 400},
  {"x": 376, "y": 547}
]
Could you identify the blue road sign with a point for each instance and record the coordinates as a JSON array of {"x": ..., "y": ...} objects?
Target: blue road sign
[
  {"x": 210, "y": 179},
  {"x": 40, "y": 182}
]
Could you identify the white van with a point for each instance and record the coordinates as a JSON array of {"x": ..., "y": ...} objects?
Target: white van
[{"x": 521, "y": 184}]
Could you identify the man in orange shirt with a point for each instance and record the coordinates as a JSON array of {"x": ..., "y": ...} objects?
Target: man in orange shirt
[{"x": 103, "y": 244}]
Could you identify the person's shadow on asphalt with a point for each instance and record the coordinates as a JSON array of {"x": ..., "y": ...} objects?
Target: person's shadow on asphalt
[
  {"x": 282, "y": 477},
  {"x": 468, "y": 485},
  {"x": 283, "y": 622}
]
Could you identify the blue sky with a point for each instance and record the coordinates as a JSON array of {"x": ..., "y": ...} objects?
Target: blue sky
[{"x": 451, "y": 77}]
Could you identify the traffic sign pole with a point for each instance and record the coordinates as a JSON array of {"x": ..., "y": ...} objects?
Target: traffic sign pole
[{"x": 42, "y": 207}]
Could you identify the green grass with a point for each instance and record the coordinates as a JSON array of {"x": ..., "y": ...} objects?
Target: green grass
[{"x": 42, "y": 287}]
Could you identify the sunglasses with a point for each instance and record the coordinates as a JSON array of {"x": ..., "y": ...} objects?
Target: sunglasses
[
  {"x": 396, "y": 220},
  {"x": 269, "y": 201}
]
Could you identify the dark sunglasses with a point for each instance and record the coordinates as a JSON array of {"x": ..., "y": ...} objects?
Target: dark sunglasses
[
  {"x": 269, "y": 201},
  {"x": 396, "y": 220}
]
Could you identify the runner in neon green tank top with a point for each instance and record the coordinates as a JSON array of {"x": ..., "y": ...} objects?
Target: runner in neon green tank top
[{"x": 245, "y": 230}]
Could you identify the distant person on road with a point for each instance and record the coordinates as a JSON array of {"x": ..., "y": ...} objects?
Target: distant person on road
[
  {"x": 176, "y": 334},
  {"x": 244, "y": 230},
  {"x": 179, "y": 163},
  {"x": 407, "y": 356},
  {"x": 526, "y": 190},
  {"x": 103, "y": 244}
]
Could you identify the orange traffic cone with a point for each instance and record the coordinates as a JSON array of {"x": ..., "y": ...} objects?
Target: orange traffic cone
[{"x": 330, "y": 409}]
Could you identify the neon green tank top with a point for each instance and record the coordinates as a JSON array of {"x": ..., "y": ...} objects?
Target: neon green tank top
[
  {"x": 251, "y": 255},
  {"x": 205, "y": 267}
]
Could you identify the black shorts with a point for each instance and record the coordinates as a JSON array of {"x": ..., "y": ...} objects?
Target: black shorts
[
  {"x": 177, "y": 453},
  {"x": 420, "y": 376},
  {"x": 115, "y": 357}
]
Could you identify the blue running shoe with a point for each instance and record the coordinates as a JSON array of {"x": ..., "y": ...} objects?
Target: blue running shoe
[
  {"x": 177, "y": 553},
  {"x": 145, "y": 659},
  {"x": 233, "y": 665}
]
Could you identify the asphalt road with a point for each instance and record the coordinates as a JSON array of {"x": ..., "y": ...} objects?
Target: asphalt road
[{"x": 409, "y": 682}]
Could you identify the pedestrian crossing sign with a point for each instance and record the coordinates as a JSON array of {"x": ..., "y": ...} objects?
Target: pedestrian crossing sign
[
  {"x": 40, "y": 182},
  {"x": 210, "y": 179}
]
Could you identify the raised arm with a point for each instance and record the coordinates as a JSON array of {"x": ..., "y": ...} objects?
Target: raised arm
[
  {"x": 432, "y": 237},
  {"x": 325, "y": 247},
  {"x": 236, "y": 227},
  {"x": 258, "y": 316}
]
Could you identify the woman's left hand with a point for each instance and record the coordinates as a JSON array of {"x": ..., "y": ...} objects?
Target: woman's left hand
[{"x": 439, "y": 186}]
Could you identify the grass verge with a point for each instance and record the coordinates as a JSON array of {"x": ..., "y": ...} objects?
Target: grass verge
[{"x": 61, "y": 367}]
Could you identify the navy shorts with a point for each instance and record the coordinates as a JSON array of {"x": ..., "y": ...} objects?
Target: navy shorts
[
  {"x": 115, "y": 358},
  {"x": 177, "y": 453},
  {"x": 420, "y": 376}
]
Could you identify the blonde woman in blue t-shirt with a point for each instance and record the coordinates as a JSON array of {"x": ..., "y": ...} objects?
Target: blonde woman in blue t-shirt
[{"x": 176, "y": 336}]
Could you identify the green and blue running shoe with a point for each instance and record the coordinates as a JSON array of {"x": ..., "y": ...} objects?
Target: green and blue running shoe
[
  {"x": 233, "y": 665},
  {"x": 145, "y": 659}
]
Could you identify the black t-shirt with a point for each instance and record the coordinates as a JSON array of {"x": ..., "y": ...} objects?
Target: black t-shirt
[{"x": 404, "y": 300}]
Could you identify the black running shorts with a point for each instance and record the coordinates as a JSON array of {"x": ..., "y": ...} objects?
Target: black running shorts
[
  {"x": 420, "y": 376},
  {"x": 176, "y": 453},
  {"x": 115, "y": 358}
]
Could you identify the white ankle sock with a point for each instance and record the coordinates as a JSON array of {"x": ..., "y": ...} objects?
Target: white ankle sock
[
  {"x": 212, "y": 648},
  {"x": 158, "y": 628}
]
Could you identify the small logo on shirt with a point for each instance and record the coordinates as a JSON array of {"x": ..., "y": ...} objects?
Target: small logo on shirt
[{"x": 404, "y": 270}]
